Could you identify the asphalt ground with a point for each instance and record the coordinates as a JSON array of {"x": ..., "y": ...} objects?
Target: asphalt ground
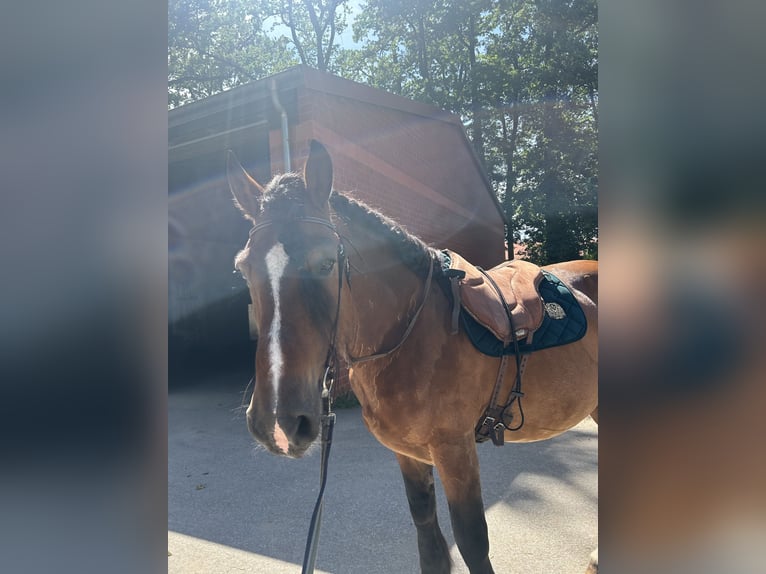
[{"x": 233, "y": 507}]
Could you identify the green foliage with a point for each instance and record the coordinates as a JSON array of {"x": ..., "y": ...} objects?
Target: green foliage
[
  {"x": 214, "y": 45},
  {"x": 345, "y": 400},
  {"x": 522, "y": 74},
  {"x": 542, "y": 77}
]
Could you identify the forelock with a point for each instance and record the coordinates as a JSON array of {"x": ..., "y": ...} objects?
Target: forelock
[{"x": 285, "y": 196}]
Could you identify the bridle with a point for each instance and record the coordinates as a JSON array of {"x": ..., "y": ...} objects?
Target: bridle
[
  {"x": 328, "y": 378},
  {"x": 344, "y": 269}
]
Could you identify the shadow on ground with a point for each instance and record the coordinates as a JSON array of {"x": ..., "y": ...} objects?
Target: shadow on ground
[{"x": 254, "y": 508}]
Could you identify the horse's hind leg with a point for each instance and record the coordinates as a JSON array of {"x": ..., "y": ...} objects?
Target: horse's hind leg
[
  {"x": 458, "y": 466},
  {"x": 419, "y": 484}
]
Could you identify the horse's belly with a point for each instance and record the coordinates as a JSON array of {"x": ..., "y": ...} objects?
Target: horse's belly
[
  {"x": 402, "y": 440},
  {"x": 559, "y": 392}
]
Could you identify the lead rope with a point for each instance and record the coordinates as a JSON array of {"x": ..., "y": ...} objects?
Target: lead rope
[
  {"x": 327, "y": 425},
  {"x": 328, "y": 422}
]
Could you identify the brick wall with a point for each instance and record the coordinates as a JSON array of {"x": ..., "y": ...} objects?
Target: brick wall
[{"x": 414, "y": 169}]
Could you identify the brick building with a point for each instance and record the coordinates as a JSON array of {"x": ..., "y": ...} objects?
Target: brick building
[{"x": 409, "y": 160}]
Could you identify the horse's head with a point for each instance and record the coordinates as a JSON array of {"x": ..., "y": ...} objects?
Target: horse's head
[{"x": 290, "y": 263}]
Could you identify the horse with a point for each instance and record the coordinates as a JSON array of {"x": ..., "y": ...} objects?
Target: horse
[{"x": 328, "y": 275}]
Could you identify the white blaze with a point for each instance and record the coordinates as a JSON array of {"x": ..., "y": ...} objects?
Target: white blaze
[
  {"x": 276, "y": 261},
  {"x": 280, "y": 438}
]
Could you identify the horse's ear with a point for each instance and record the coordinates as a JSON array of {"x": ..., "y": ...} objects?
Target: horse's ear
[
  {"x": 246, "y": 191},
  {"x": 318, "y": 174}
]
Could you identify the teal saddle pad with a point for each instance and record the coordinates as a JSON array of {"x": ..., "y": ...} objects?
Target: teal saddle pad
[{"x": 563, "y": 322}]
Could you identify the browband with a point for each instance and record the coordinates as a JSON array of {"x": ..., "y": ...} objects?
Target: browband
[{"x": 317, "y": 220}]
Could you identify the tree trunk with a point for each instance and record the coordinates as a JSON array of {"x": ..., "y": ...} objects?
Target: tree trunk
[
  {"x": 593, "y": 105},
  {"x": 423, "y": 62},
  {"x": 510, "y": 173},
  {"x": 316, "y": 26},
  {"x": 476, "y": 112}
]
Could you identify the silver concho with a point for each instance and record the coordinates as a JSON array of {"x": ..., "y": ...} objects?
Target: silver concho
[{"x": 555, "y": 311}]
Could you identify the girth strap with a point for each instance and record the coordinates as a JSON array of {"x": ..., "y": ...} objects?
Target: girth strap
[
  {"x": 493, "y": 423},
  {"x": 497, "y": 418}
]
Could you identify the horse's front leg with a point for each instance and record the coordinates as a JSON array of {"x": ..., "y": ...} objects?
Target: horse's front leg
[
  {"x": 458, "y": 464},
  {"x": 419, "y": 484}
]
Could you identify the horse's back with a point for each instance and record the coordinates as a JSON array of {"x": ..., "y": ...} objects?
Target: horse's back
[{"x": 580, "y": 274}]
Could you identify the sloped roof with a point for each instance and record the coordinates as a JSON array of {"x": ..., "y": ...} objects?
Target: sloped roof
[{"x": 224, "y": 119}]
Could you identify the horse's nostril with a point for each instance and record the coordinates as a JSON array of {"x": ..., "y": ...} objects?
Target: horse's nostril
[{"x": 305, "y": 427}]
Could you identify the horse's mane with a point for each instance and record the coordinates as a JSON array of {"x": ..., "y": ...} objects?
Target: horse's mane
[{"x": 413, "y": 251}]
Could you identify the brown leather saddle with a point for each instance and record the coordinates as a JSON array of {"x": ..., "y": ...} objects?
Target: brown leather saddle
[{"x": 518, "y": 283}]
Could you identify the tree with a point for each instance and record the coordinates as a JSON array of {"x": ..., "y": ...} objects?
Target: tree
[
  {"x": 522, "y": 74},
  {"x": 540, "y": 68},
  {"x": 313, "y": 25},
  {"x": 214, "y": 45},
  {"x": 425, "y": 50}
]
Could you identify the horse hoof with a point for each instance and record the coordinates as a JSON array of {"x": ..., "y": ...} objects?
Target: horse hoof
[{"x": 593, "y": 564}]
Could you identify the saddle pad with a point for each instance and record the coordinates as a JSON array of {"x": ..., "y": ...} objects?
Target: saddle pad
[{"x": 563, "y": 322}]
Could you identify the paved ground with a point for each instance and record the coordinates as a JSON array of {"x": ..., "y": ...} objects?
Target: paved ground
[{"x": 235, "y": 508}]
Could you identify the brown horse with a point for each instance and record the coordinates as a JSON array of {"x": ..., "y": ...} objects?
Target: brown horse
[{"x": 422, "y": 389}]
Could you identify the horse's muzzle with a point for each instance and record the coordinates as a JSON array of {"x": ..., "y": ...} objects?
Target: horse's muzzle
[{"x": 289, "y": 434}]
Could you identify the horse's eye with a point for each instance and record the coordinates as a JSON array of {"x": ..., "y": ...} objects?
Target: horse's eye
[{"x": 327, "y": 266}]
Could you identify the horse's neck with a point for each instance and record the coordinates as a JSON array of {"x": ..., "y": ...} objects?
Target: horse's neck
[{"x": 384, "y": 291}]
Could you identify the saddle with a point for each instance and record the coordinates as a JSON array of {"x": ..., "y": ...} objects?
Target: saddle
[
  {"x": 510, "y": 303},
  {"x": 477, "y": 291}
]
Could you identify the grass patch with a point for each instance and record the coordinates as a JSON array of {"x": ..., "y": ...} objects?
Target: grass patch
[{"x": 345, "y": 400}]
